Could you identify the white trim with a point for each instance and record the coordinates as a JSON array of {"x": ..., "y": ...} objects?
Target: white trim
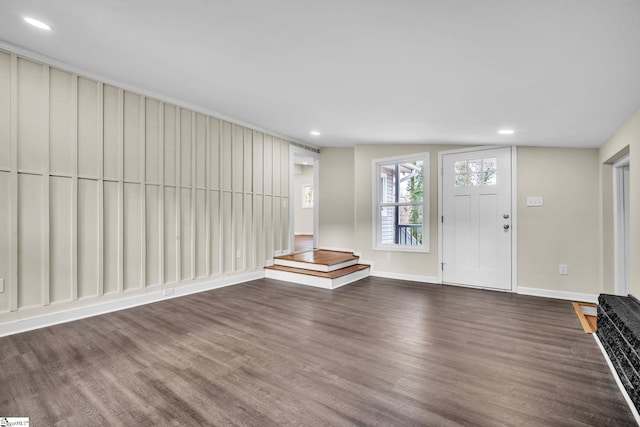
[
  {"x": 550, "y": 293},
  {"x": 316, "y": 199},
  {"x": 401, "y": 248},
  {"x": 514, "y": 207},
  {"x": 301, "y": 152},
  {"x": 474, "y": 148},
  {"x": 29, "y": 54},
  {"x": 315, "y": 281},
  {"x": 514, "y": 219},
  {"x": 439, "y": 219},
  {"x": 620, "y": 232},
  {"x": 462, "y": 285},
  {"x": 403, "y": 276},
  {"x": 632, "y": 407},
  {"x": 28, "y": 324},
  {"x": 622, "y": 161}
]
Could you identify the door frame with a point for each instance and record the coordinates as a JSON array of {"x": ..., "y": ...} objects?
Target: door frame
[
  {"x": 620, "y": 232},
  {"x": 514, "y": 208},
  {"x": 298, "y": 152}
]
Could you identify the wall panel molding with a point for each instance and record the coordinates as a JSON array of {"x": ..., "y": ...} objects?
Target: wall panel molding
[{"x": 111, "y": 193}]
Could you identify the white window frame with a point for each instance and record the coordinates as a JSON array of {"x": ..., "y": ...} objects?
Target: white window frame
[{"x": 376, "y": 202}]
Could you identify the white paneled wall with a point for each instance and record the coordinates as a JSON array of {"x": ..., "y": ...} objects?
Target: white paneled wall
[{"x": 105, "y": 193}]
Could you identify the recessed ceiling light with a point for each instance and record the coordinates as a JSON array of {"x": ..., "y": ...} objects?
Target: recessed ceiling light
[
  {"x": 36, "y": 23},
  {"x": 315, "y": 133},
  {"x": 506, "y": 131}
]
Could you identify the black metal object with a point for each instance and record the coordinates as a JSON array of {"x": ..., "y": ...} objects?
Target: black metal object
[
  {"x": 619, "y": 333},
  {"x": 408, "y": 234}
]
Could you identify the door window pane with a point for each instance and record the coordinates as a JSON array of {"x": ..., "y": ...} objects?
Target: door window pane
[
  {"x": 475, "y": 165},
  {"x": 471, "y": 173},
  {"x": 474, "y": 179}
]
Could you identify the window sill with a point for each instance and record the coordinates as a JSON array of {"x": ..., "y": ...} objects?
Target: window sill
[{"x": 400, "y": 248}]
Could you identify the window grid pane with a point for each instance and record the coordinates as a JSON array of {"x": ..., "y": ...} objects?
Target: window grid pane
[
  {"x": 471, "y": 173},
  {"x": 400, "y": 203}
]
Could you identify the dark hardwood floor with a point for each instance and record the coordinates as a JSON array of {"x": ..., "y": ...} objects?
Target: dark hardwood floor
[{"x": 375, "y": 352}]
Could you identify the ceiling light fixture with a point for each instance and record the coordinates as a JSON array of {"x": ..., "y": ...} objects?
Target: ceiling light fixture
[
  {"x": 506, "y": 131},
  {"x": 37, "y": 23},
  {"x": 315, "y": 133}
]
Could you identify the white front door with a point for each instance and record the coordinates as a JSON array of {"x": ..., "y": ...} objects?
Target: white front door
[{"x": 476, "y": 218}]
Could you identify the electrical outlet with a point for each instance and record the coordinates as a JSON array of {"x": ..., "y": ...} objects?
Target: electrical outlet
[
  {"x": 564, "y": 269},
  {"x": 1, "y": 286},
  {"x": 238, "y": 253},
  {"x": 388, "y": 256},
  {"x": 535, "y": 201},
  {"x": 168, "y": 291}
]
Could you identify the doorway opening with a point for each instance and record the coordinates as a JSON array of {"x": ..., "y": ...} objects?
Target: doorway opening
[
  {"x": 303, "y": 190},
  {"x": 621, "y": 187}
]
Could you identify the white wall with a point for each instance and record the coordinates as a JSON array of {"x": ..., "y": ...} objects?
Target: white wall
[
  {"x": 626, "y": 140},
  {"x": 564, "y": 231},
  {"x": 106, "y": 194},
  {"x": 336, "y": 194}
]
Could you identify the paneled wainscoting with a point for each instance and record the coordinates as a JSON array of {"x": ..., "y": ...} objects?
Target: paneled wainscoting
[
  {"x": 270, "y": 353},
  {"x": 109, "y": 194}
]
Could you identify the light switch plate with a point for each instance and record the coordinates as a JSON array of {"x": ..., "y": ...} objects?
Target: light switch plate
[
  {"x": 535, "y": 201},
  {"x": 1, "y": 286}
]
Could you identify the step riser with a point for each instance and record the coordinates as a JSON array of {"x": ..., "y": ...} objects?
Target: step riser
[
  {"x": 318, "y": 282},
  {"x": 314, "y": 267}
]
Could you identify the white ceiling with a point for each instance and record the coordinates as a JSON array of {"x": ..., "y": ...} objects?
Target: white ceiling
[{"x": 562, "y": 73}]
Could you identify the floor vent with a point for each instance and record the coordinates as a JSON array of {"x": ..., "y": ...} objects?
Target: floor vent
[{"x": 587, "y": 313}]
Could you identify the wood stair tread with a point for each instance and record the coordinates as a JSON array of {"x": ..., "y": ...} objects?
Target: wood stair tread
[
  {"x": 328, "y": 275},
  {"x": 320, "y": 256}
]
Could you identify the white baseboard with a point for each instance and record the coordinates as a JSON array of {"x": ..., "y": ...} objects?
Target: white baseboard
[
  {"x": 403, "y": 276},
  {"x": 461, "y": 285},
  {"x": 634, "y": 411},
  {"x": 28, "y": 324},
  {"x": 549, "y": 293},
  {"x": 315, "y": 281}
]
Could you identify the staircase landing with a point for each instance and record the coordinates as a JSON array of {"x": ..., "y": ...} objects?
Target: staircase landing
[{"x": 320, "y": 268}]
